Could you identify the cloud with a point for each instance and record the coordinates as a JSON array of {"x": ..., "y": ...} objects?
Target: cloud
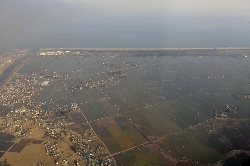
[
  {"x": 33, "y": 21},
  {"x": 122, "y": 6},
  {"x": 211, "y": 7}
]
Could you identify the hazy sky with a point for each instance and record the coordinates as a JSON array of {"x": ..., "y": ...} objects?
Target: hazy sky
[{"x": 124, "y": 23}]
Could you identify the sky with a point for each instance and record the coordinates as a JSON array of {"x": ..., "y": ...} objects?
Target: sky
[{"x": 124, "y": 24}]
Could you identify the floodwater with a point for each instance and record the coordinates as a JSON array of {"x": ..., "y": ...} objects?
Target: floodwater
[{"x": 161, "y": 96}]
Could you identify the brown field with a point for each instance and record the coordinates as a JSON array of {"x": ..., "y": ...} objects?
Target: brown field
[
  {"x": 134, "y": 135},
  {"x": 154, "y": 156},
  {"x": 134, "y": 157}
]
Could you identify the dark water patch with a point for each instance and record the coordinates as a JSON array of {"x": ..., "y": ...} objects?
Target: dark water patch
[
  {"x": 1, "y": 128},
  {"x": 6, "y": 137},
  {"x": 36, "y": 141},
  {"x": 150, "y": 98},
  {"x": 120, "y": 104},
  {"x": 112, "y": 145},
  {"x": 239, "y": 159},
  {"x": 36, "y": 64},
  {"x": 246, "y": 106},
  {"x": 110, "y": 108},
  {"x": 78, "y": 118},
  {"x": 93, "y": 111},
  {"x": 198, "y": 104},
  {"x": 239, "y": 143},
  {"x": 4, "y": 163},
  {"x": 3, "y": 110},
  {"x": 161, "y": 93},
  {"x": 54, "y": 91},
  {"x": 244, "y": 131},
  {"x": 121, "y": 159},
  {"x": 102, "y": 132},
  {"x": 229, "y": 123},
  {"x": 81, "y": 97},
  {"x": 4, "y": 146},
  {"x": 200, "y": 133},
  {"x": 177, "y": 112},
  {"x": 144, "y": 126},
  {"x": 6, "y": 111},
  {"x": 235, "y": 139},
  {"x": 169, "y": 148},
  {"x": 229, "y": 132},
  {"x": 18, "y": 147},
  {"x": 214, "y": 142},
  {"x": 1, "y": 155}
]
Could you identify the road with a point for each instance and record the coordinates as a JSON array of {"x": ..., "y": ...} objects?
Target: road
[{"x": 95, "y": 132}]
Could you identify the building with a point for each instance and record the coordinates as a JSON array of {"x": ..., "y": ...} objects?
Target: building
[{"x": 45, "y": 83}]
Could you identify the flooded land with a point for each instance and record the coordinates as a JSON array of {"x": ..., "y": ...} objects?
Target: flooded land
[{"x": 126, "y": 107}]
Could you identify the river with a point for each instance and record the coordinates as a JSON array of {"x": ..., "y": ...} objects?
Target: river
[{"x": 8, "y": 71}]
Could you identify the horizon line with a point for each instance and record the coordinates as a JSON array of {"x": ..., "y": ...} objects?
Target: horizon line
[{"x": 174, "y": 48}]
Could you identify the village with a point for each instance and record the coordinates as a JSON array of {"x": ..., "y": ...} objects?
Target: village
[
  {"x": 117, "y": 107},
  {"x": 23, "y": 116}
]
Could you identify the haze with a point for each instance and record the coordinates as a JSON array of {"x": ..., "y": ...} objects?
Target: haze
[{"x": 117, "y": 23}]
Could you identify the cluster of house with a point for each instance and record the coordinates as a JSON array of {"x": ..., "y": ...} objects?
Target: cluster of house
[
  {"x": 83, "y": 153},
  {"x": 224, "y": 113},
  {"x": 119, "y": 64},
  {"x": 55, "y": 129},
  {"x": 117, "y": 70},
  {"x": 23, "y": 88},
  {"x": 8, "y": 57},
  {"x": 118, "y": 67},
  {"x": 246, "y": 97},
  {"x": 18, "y": 92},
  {"x": 93, "y": 156},
  {"x": 51, "y": 149},
  {"x": 81, "y": 85},
  {"x": 58, "y": 52},
  {"x": 27, "y": 115},
  {"x": 18, "y": 121}
]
